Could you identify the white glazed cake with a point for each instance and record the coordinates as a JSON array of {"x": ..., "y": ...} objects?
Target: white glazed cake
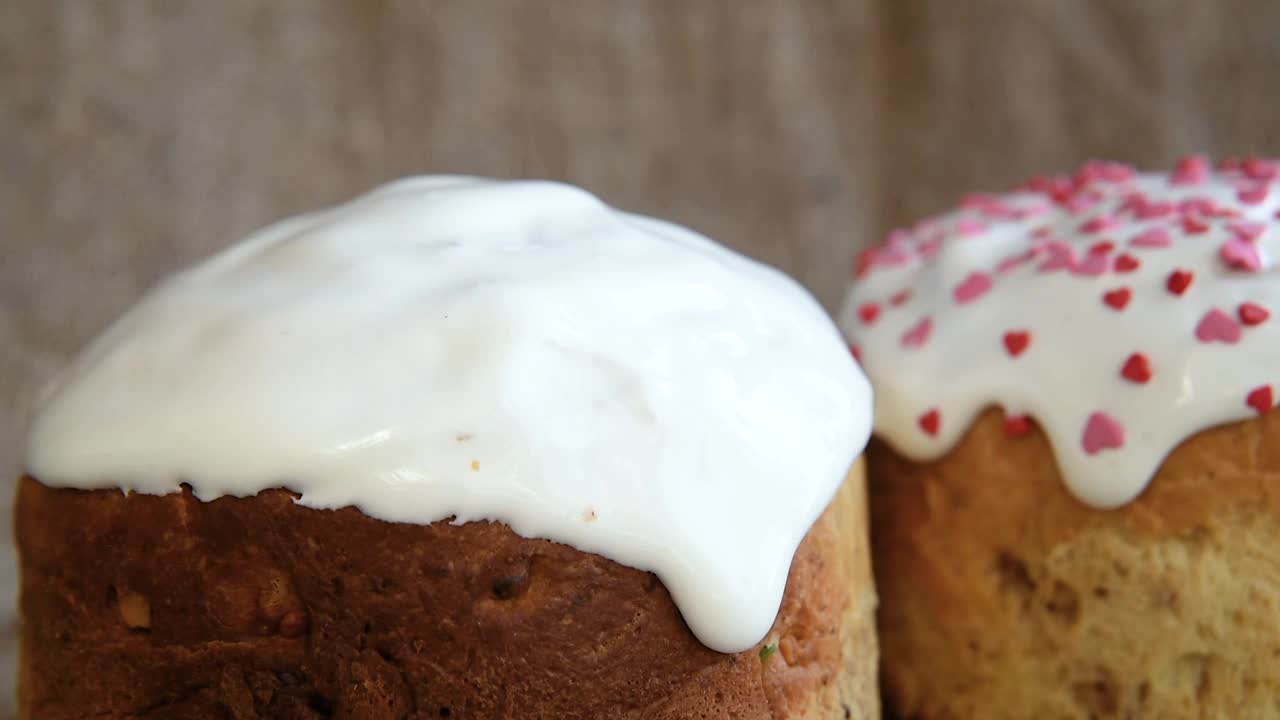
[
  {"x": 1074, "y": 383},
  {"x": 460, "y": 352}
]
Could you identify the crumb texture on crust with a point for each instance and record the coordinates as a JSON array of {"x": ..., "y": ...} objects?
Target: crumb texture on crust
[
  {"x": 167, "y": 607},
  {"x": 1006, "y": 598}
]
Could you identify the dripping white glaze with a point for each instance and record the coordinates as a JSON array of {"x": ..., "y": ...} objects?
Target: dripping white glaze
[
  {"x": 1068, "y": 302},
  {"x": 511, "y": 351}
]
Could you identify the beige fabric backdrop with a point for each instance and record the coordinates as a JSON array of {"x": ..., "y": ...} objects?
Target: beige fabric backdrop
[{"x": 138, "y": 135}]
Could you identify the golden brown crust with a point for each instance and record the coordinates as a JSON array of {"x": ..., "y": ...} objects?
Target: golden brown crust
[
  {"x": 167, "y": 607},
  {"x": 1005, "y": 597}
]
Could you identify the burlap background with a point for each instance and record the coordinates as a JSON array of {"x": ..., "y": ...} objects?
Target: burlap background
[{"x": 137, "y": 135}]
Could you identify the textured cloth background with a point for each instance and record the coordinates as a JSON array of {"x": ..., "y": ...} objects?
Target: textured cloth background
[{"x": 139, "y": 135}]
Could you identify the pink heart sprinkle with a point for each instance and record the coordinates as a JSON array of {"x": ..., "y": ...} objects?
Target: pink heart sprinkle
[
  {"x": 926, "y": 225},
  {"x": 893, "y": 256},
  {"x": 1191, "y": 170},
  {"x": 977, "y": 201},
  {"x": 865, "y": 262},
  {"x": 1030, "y": 211},
  {"x": 1241, "y": 254},
  {"x": 1133, "y": 202},
  {"x": 1077, "y": 204},
  {"x": 973, "y": 287},
  {"x": 1218, "y": 326},
  {"x": 1197, "y": 205},
  {"x": 1117, "y": 172},
  {"x": 1153, "y": 238},
  {"x": 1254, "y": 195},
  {"x": 1259, "y": 169},
  {"x": 918, "y": 335},
  {"x": 1098, "y": 224},
  {"x": 989, "y": 205},
  {"x": 969, "y": 226},
  {"x": 1093, "y": 264},
  {"x": 898, "y": 237},
  {"x": 1013, "y": 262},
  {"x": 929, "y": 248},
  {"x": 1061, "y": 257},
  {"x": 1155, "y": 210},
  {"x": 1102, "y": 432},
  {"x": 1247, "y": 231}
]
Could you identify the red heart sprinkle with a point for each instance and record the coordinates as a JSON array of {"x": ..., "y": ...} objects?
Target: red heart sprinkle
[
  {"x": 1017, "y": 425},
  {"x": 1102, "y": 248},
  {"x": 869, "y": 312},
  {"x": 1127, "y": 263},
  {"x": 1118, "y": 298},
  {"x": 930, "y": 421},
  {"x": 857, "y": 353},
  {"x": 1261, "y": 399},
  {"x": 1137, "y": 368},
  {"x": 901, "y": 297},
  {"x": 1179, "y": 281},
  {"x": 1016, "y": 341},
  {"x": 1252, "y": 313}
]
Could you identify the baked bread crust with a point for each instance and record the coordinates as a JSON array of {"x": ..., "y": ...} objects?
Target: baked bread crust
[
  {"x": 167, "y": 607},
  {"x": 1005, "y": 597}
]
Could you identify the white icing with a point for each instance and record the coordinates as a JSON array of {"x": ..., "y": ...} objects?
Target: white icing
[
  {"x": 1072, "y": 366},
  {"x": 510, "y": 351}
]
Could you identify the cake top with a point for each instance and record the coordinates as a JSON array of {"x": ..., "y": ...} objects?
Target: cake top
[
  {"x": 1122, "y": 312},
  {"x": 456, "y": 348}
]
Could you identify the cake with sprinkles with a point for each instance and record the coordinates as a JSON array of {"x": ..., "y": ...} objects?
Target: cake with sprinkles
[
  {"x": 1073, "y": 477},
  {"x": 459, "y": 448}
]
